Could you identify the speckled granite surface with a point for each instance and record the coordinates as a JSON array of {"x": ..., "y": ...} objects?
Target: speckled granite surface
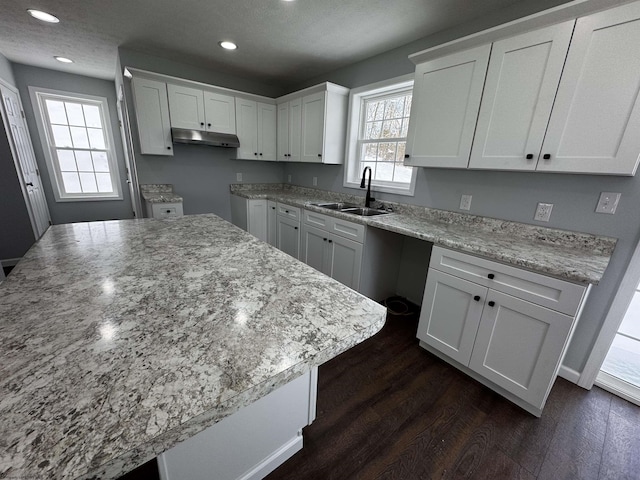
[
  {"x": 574, "y": 256},
  {"x": 121, "y": 338},
  {"x": 159, "y": 193}
]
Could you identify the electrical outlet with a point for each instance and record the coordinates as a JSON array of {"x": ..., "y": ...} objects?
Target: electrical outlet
[
  {"x": 238, "y": 177},
  {"x": 289, "y": 179},
  {"x": 315, "y": 181},
  {"x": 465, "y": 202},
  {"x": 543, "y": 212},
  {"x": 608, "y": 202}
]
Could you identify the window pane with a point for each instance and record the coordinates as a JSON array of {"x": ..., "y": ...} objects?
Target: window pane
[
  {"x": 74, "y": 114},
  {"x": 384, "y": 171},
  {"x": 387, "y": 152},
  {"x": 371, "y": 165},
  {"x": 66, "y": 160},
  {"x": 405, "y": 128},
  {"x": 391, "y": 129},
  {"x": 100, "y": 162},
  {"x": 372, "y": 130},
  {"x": 407, "y": 105},
  {"x": 71, "y": 182},
  {"x": 79, "y": 136},
  {"x": 83, "y": 160},
  {"x": 61, "y": 136},
  {"x": 56, "y": 112},
  {"x": 104, "y": 182},
  {"x": 402, "y": 173},
  {"x": 400, "y": 149},
  {"x": 96, "y": 138},
  {"x": 375, "y": 111},
  {"x": 92, "y": 116},
  {"x": 88, "y": 182},
  {"x": 369, "y": 152},
  {"x": 394, "y": 108}
]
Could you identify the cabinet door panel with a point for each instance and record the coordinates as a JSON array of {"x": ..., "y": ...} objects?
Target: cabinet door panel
[
  {"x": 220, "y": 113},
  {"x": 313, "y": 127},
  {"x": 295, "y": 130},
  {"x": 272, "y": 234},
  {"x": 152, "y": 116},
  {"x": 345, "y": 260},
  {"x": 247, "y": 119},
  {"x": 313, "y": 249},
  {"x": 519, "y": 346},
  {"x": 289, "y": 236},
  {"x": 521, "y": 84},
  {"x": 283, "y": 131},
  {"x": 450, "y": 316},
  {"x": 266, "y": 131},
  {"x": 596, "y": 117},
  {"x": 257, "y": 218},
  {"x": 186, "y": 107},
  {"x": 446, "y": 100}
]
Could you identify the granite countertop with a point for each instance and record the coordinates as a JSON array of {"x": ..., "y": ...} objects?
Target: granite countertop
[
  {"x": 574, "y": 256},
  {"x": 122, "y": 338},
  {"x": 159, "y": 193}
]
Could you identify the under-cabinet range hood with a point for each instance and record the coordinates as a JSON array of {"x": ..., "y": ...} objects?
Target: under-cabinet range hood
[{"x": 183, "y": 135}]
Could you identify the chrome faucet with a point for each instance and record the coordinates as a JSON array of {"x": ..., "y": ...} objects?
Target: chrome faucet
[{"x": 368, "y": 199}]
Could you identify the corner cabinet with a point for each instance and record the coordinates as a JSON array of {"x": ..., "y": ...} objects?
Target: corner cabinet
[
  {"x": 152, "y": 116},
  {"x": 557, "y": 99},
  {"x": 250, "y": 215},
  {"x": 312, "y": 125},
  {"x": 256, "y": 130},
  {"x": 506, "y": 327}
]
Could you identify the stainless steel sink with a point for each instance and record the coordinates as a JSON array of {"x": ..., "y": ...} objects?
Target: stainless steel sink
[
  {"x": 364, "y": 211},
  {"x": 335, "y": 205}
]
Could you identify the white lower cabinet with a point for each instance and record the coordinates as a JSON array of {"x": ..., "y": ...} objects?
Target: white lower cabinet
[
  {"x": 164, "y": 210},
  {"x": 288, "y": 229},
  {"x": 333, "y": 246},
  {"x": 272, "y": 235},
  {"x": 250, "y": 215},
  {"x": 510, "y": 344}
]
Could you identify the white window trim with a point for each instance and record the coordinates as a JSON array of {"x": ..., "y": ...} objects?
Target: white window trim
[
  {"x": 54, "y": 173},
  {"x": 351, "y": 175}
]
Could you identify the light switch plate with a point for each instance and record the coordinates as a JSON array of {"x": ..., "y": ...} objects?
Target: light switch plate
[
  {"x": 465, "y": 202},
  {"x": 608, "y": 202},
  {"x": 315, "y": 181},
  {"x": 543, "y": 212},
  {"x": 238, "y": 177}
]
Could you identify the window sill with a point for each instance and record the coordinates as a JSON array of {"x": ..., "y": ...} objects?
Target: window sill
[
  {"x": 89, "y": 199},
  {"x": 385, "y": 189}
]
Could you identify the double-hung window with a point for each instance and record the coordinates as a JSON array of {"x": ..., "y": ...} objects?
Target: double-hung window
[
  {"x": 78, "y": 145},
  {"x": 377, "y": 138}
]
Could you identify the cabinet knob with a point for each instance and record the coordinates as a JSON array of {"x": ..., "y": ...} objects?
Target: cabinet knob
[
  {"x": 29, "y": 184},
  {"x": 255, "y": 153},
  {"x": 546, "y": 156},
  {"x": 168, "y": 148},
  {"x": 295, "y": 228},
  {"x": 208, "y": 124},
  {"x": 330, "y": 241},
  {"x": 324, "y": 239},
  {"x": 273, "y": 208},
  {"x": 477, "y": 298},
  {"x": 202, "y": 124},
  {"x": 320, "y": 155},
  {"x": 491, "y": 276},
  {"x": 492, "y": 303},
  {"x": 529, "y": 156},
  {"x": 286, "y": 211},
  {"x": 406, "y": 155},
  {"x": 260, "y": 154}
]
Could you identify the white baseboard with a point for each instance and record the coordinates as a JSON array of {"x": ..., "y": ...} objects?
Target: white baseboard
[
  {"x": 569, "y": 374},
  {"x": 10, "y": 262}
]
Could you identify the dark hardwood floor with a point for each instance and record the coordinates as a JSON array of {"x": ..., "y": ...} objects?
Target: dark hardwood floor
[{"x": 387, "y": 409}]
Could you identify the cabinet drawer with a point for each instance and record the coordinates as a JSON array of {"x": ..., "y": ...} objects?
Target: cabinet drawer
[
  {"x": 317, "y": 219},
  {"x": 559, "y": 295},
  {"x": 164, "y": 210},
  {"x": 288, "y": 211},
  {"x": 346, "y": 229}
]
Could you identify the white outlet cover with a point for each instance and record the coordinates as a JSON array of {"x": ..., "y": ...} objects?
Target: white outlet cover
[
  {"x": 315, "y": 181},
  {"x": 465, "y": 202},
  {"x": 289, "y": 179},
  {"x": 608, "y": 202},
  {"x": 543, "y": 212},
  {"x": 238, "y": 177}
]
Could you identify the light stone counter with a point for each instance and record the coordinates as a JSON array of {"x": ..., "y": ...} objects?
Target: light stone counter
[
  {"x": 574, "y": 256},
  {"x": 122, "y": 338}
]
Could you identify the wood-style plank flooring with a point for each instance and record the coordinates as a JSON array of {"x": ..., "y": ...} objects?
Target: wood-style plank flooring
[{"x": 387, "y": 409}]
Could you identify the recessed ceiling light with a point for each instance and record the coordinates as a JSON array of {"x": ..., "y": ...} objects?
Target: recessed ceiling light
[
  {"x": 44, "y": 16},
  {"x": 64, "y": 59},
  {"x": 228, "y": 45}
]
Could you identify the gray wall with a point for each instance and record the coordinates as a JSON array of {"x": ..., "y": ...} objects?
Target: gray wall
[
  {"x": 6, "y": 72},
  {"x": 67, "y": 212},
  {"x": 505, "y": 195},
  {"x": 200, "y": 174}
]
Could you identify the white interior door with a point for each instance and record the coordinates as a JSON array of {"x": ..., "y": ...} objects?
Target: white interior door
[
  {"x": 127, "y": 148},
  {"x": 25, "y": 160}
]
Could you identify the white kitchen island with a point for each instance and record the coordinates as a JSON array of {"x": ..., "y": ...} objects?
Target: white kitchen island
[{"x": 122, "y": 339}]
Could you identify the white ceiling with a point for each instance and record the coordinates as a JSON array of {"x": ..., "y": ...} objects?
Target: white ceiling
[{"x": 285, "y": 42}]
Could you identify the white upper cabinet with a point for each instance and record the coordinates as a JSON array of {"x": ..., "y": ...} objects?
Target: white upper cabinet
[
  {"x": 197, "y": 109},
  {"x": 220, "y": 112},
  {"x": 152, "y": 115},
  {"x": 520, "y": 87},
  {"x": 256, "y": 130},
  {"x": 595, "y": 124},
  {"x": 186, "y": 106},
  {"x": 446, "y": 100},
  {"x": 312, "y": 125}
]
